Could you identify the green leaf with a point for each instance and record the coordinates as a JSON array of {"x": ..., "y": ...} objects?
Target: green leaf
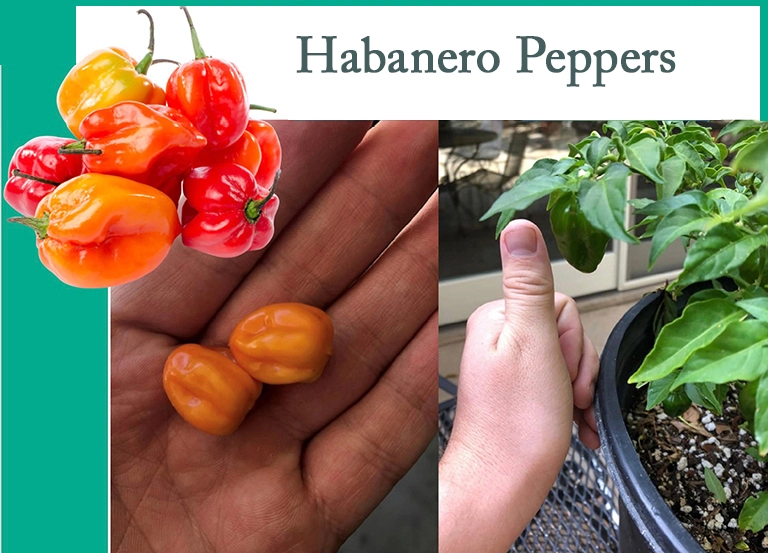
[
  {"x": 740, "y": 352},
  {"x": 668, "y": 205},
  {"x": 545, "y": 164},
  {"x": 748, "y": 402},
  {"x": 692, "y": 158},
  {"x": 700, "y": 324},
  {"x": 504, "y": 220},
  {"x": 563, "y": 166},
  {"x": 672, "y": 169},
  {"x": 640, "y": 203},
  {"x": 681, "y": 222},
  {"x": 757, "y": 307},
  {"x": 708, "y": 294},
  {"x": 722, "y": 249},
  {"x": 604, "y": 202},
  {"x": 658, "y": 390},
  {"x": 597, "y": 150},
  {"x": 739, "y": 127},
  {"x": 761, "y": 415},
  {"x": 714, "y": 485},
  {"x": 710, "y": 396},
  {"x": 717, "y": 174},
  {"x": 754, "y": 514},
  {"x": 727, "y": 199},
  {"x": 753, "y": 157},
  {"x": 644, "y": 157},
  {"x": 617, "y": 127},
  {"x": 523, "y": 194}
]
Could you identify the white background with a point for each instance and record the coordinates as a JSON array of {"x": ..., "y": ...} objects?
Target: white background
[{"x": 262, "y": 42}]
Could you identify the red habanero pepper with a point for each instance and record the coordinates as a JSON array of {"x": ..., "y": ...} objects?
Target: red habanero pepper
[
  {"x": 211, "y": 93},
  {"x": 227, "y": 213},
  {"x": 271, "y": 153},
  {"x": 36, "y": 169},
  {"x": 147, "y": 144}
]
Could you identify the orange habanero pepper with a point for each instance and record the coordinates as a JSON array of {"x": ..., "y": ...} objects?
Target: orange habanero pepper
[
  {"x": 98, "y": 230},
  {"x": 283, "y": 343},
  {"x": 208, "y": 389},
  {"x": 104, "y": 78}
]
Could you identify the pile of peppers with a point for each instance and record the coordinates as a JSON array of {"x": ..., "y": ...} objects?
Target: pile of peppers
[{"x": 105, "y": 204}]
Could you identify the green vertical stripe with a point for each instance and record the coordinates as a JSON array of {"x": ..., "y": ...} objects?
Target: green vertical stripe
[{"x": 54, "y": 358}]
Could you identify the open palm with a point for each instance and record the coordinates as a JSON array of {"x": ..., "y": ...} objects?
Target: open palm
[{"x": 356, "y": 236}]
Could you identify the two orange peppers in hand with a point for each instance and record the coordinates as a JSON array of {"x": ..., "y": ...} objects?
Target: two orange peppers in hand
[
  {"x": 213, "y": 389},
  {"x": 111, "y": 216}
]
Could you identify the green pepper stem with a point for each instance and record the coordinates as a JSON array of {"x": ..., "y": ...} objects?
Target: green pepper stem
[
  {"x": 143, "y": 66},
  {"x": 40, "y": 226},
  {"x": 17, "y": 173},
  {"x": 254, "y": 208},
  {"x": 262, "y": 108},
  {"x": 199, "y": 52},
  {"x": 78, "y": 148}
]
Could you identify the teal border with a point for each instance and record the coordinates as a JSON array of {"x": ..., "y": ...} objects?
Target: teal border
[{"x": 55, "y": 338}]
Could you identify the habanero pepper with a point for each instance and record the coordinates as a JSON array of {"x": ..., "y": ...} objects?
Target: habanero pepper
[
  {"x": 146, "y": 143},
  {"x": 226, "y": 212},
  {"x": 582, "y": 245},
  {"x": 36, "y": 169},
  {"x": 211, "y": 93},
  {"x": 104, "y": 78},
  {"x": 245, "y": 152},
  {"x": 208, "y": 389},
  {"x": 258, "y": 150},
  {"x": 283, "y": 343},
  {"x": 271, "y": 152},
  {"x": 96, "y": 231}
]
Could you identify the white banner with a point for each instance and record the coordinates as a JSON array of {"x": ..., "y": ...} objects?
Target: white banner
[{"x": 663, "y": 62}]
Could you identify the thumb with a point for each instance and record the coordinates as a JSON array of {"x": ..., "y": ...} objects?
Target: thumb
[{"x": 527, "y": 282}]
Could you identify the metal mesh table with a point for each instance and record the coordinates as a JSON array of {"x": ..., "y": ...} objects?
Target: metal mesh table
[{"x": 580, "y": 513}]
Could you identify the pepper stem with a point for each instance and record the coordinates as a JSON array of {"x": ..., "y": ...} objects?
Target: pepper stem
[
  {"x": 199, "y": 53},
  {"x": 262, "y": 108},
  {"x": 17, "y": 173},
  {"x": 253, "y": 208},
  {"x": 40, "y": 226},
  {"x": 78, "y": 148},
  {"x": 163, "y": 60},
  {"x": 143, "y": 66}
]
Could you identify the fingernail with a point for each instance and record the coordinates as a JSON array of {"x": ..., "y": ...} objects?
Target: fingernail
[{"x": 521, "y": 241}]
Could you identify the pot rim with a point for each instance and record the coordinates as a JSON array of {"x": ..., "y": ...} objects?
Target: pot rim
[{"x": 654, "y": 519}]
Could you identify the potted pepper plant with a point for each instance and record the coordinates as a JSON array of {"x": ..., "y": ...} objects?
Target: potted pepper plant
[{"x": 682, "y": 400}]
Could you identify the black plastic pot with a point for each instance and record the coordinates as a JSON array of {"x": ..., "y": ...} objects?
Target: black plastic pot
[{"x": 647, "y": 523}]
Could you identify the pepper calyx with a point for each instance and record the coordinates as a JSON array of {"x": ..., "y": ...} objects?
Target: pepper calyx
[
  {"x": 253, "y": 208},
  {"x": 39, "y": 225}
]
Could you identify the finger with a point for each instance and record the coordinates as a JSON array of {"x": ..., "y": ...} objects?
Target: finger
[
  {"x": 588, "y": 429},
  {"x": 589, "y": 366},
  {"x": 373, "y": 322},
  {"x": 377, "y": 191},
  {"x": 353, "y": 463},
  {"x": 191, "y": 285},
  {"x": 527, "y": 284},
  {"x": 571, "y": 333}
]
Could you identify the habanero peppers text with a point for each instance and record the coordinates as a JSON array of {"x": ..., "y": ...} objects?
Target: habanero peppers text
[{"x": 533, "y": 55}]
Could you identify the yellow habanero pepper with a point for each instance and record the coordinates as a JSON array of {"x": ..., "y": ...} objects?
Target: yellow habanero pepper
[{"x": 105, "y": 78}]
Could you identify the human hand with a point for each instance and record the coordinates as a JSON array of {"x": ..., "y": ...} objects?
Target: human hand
[
  {"x": 356, "y": 236},
  {"x": 527, "y": 372}
]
